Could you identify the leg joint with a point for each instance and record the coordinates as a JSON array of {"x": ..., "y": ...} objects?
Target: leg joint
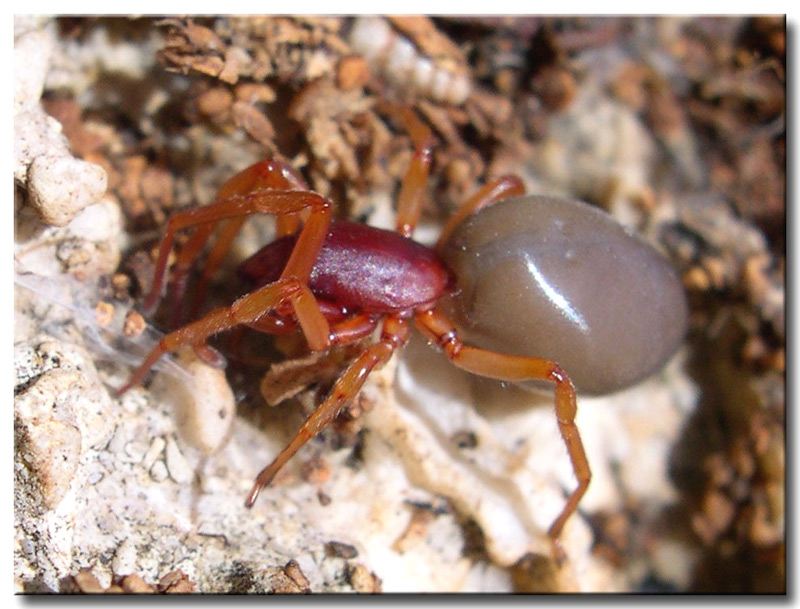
[{"x": 450, "y": 343}]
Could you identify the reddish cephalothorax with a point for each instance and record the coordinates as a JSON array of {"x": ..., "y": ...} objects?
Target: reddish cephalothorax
[
  {"x": 528, "y": 282},
  {"x": 375, "y": 270}
]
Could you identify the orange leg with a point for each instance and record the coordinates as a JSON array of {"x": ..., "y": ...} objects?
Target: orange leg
[
  {"x": 412, "y": 190},
  {"x": 222, "y": 245},
  {"x": 496, "y": 190},
  {"x": 209, "y": 355},
  {"x": 262, "y": 201},
  {"x": 248, "y": 309},
  {"x": 439, "y": 329},
  {"x": 270, "y": 324},
  {"x": 269, "y": 174},
  {"x": 186, "y": 258},
  {"x": 352, "y": 329},
  {"x": 266, "y": 174},
  {"x": 395, "y": 333},
  {"x": 342, "y": 333},
  {"x": 183, "y": 264},
  {"x": 298, "y": 267}
]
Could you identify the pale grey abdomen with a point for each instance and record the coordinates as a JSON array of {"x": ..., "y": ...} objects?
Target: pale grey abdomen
[{"x": 561, "y": 280}]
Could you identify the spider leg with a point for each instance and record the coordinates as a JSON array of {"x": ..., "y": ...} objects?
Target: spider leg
[
  {"x": 412, "y": 190},
  {"x": 501, "y": 188},
  {"x": 266, "y": 174},
  {"x": 222, "y": 245},
  {"x": 183, "y": 264},
  {"x": 247, "y": 310},
  {"x": 352, "y": 329},
  {"x": 292, "y": 283},
  {"x": 439, "y": 329},
  {"x": 263, "y": 176},
  {"x": 394, "y": 334}
]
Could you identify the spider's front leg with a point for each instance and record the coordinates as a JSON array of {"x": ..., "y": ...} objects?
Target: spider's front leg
[
  {"x": 245, "y": 311},
  {"x": 265, "y": 175},
  {"x": 291, "y": 287}
]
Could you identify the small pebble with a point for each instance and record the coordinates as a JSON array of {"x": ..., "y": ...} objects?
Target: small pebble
[{"x": 179, "y": 468}]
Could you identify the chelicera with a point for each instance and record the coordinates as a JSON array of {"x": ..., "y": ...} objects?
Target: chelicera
[{"x": 499, "y": 275}]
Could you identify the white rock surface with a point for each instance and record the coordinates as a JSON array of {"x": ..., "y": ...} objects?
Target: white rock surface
[{"x": 58, "y": 185}]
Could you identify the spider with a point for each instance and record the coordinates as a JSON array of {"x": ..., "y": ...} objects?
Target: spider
[{"x": 337, "y": 281}]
